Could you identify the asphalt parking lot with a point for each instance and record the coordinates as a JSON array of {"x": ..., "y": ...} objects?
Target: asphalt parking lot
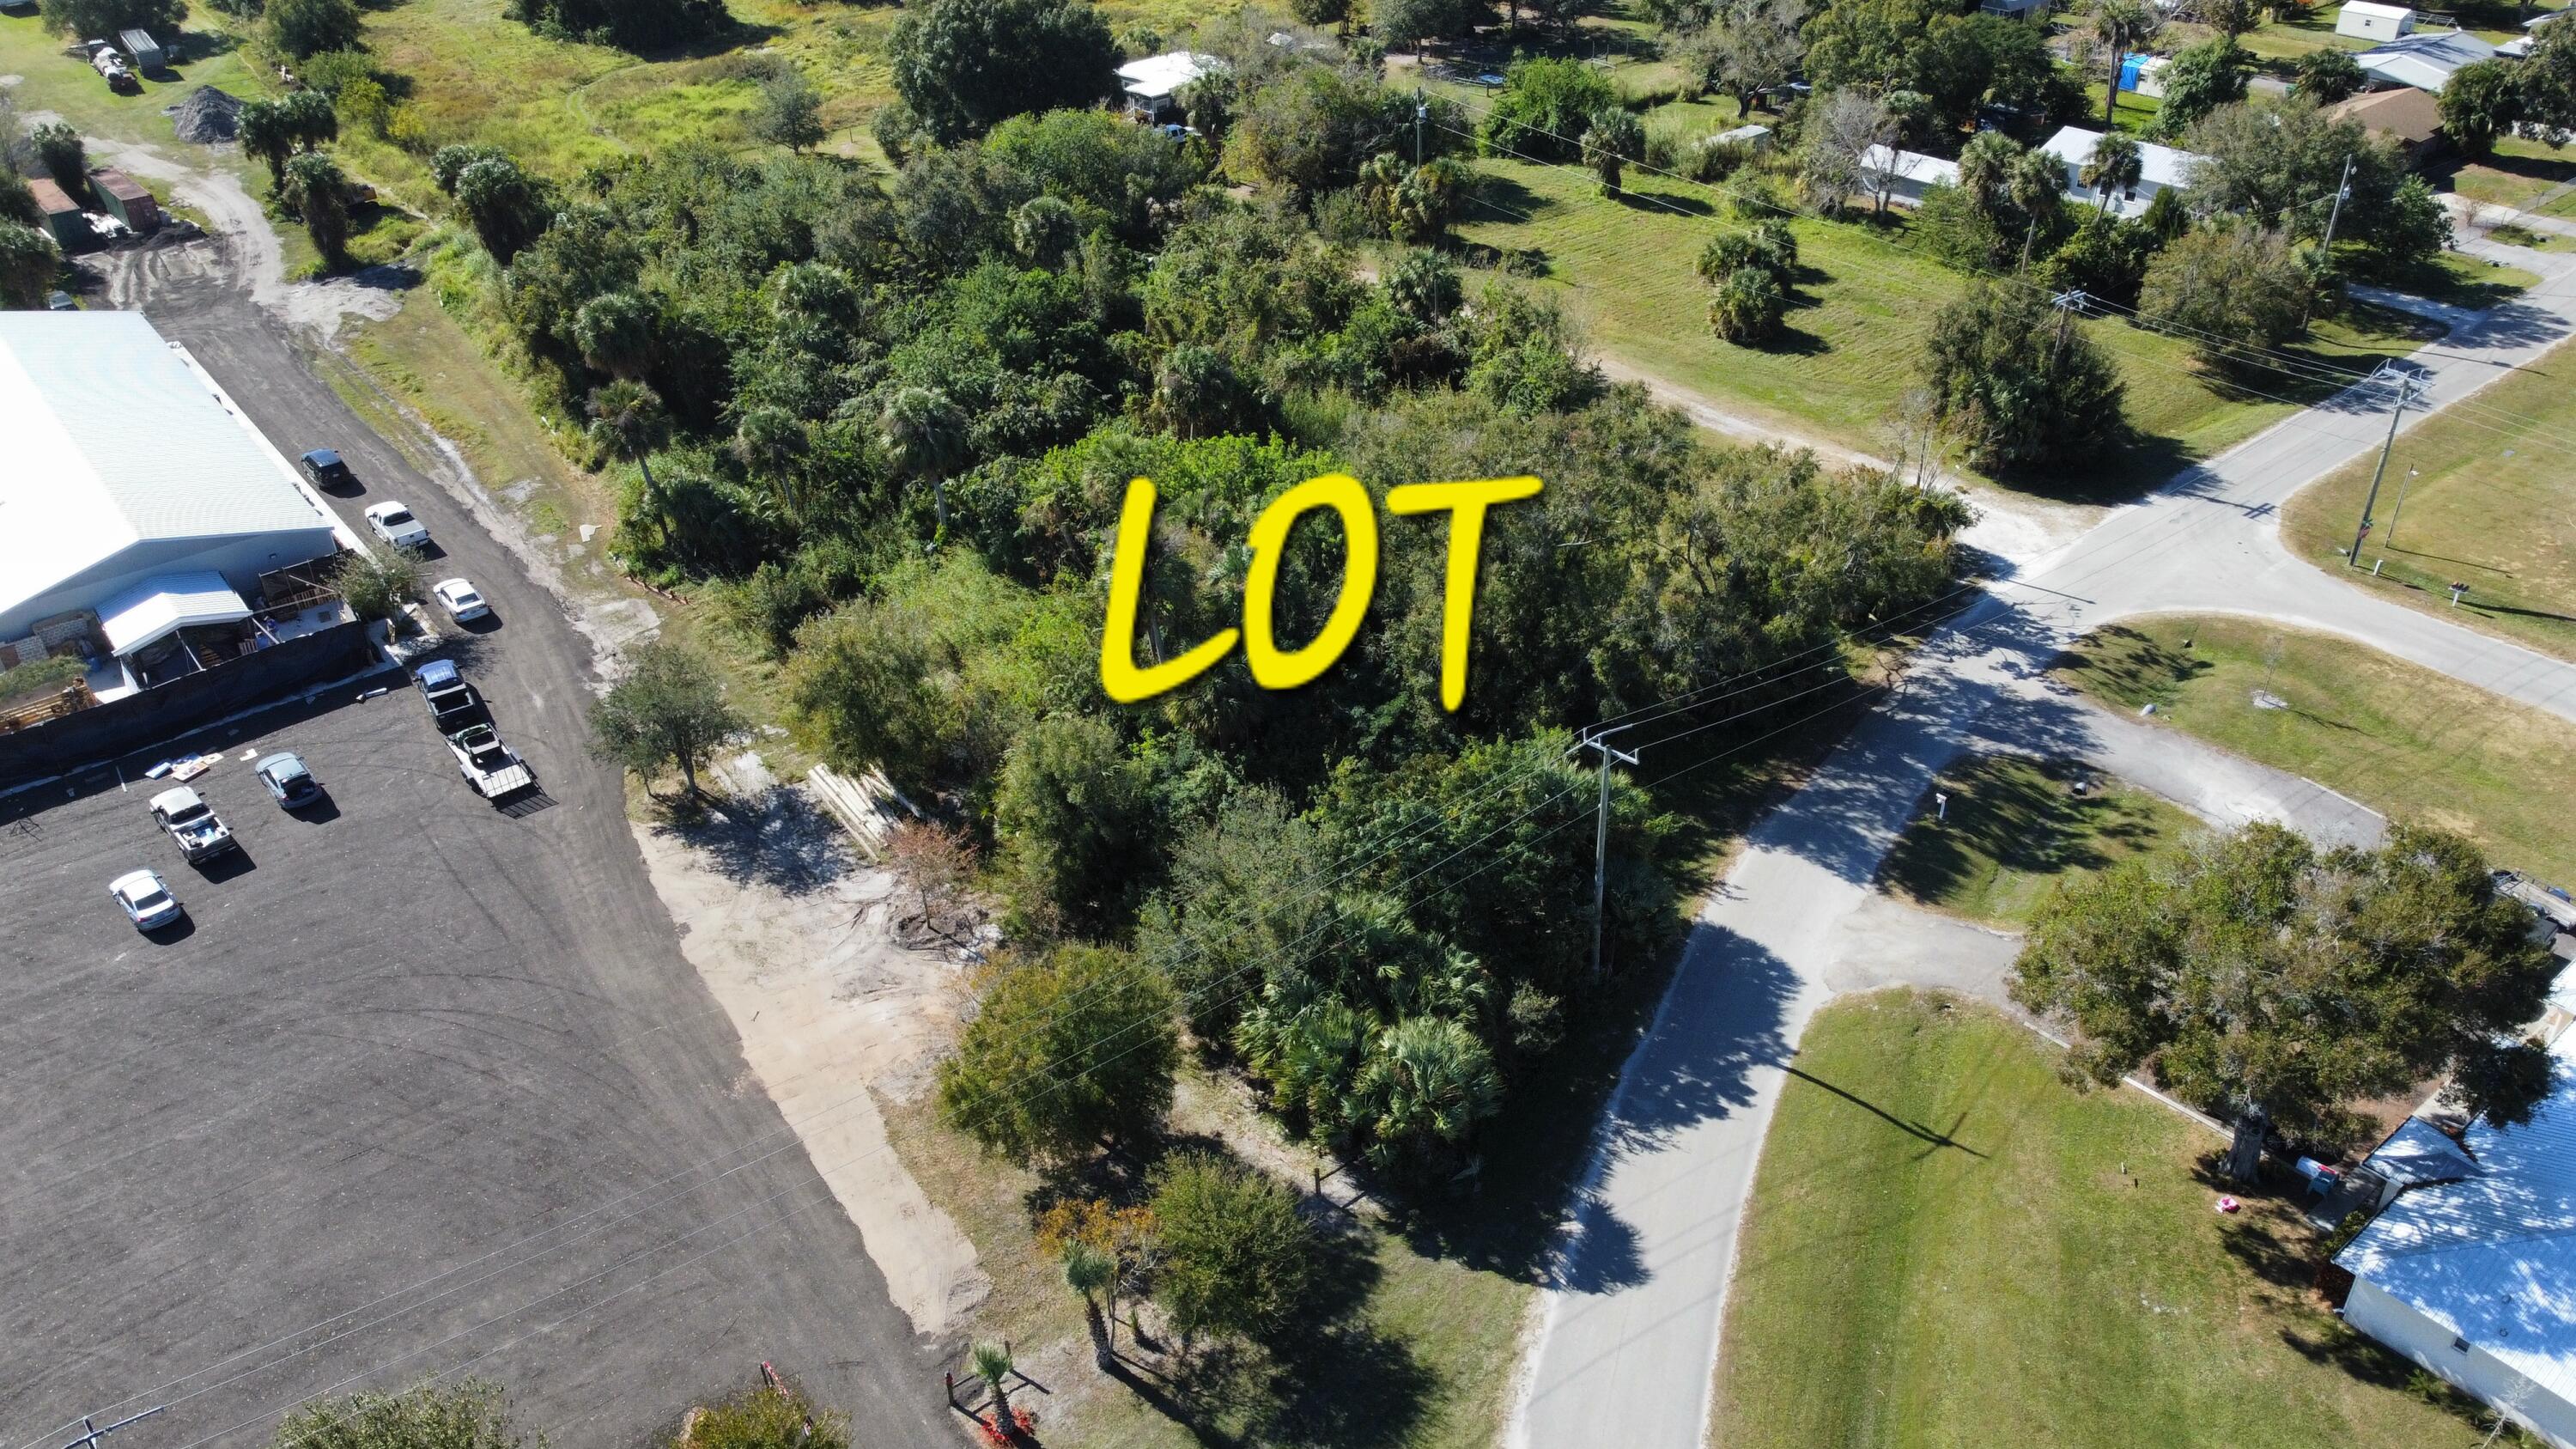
[{"x": 424, "y": 1086}]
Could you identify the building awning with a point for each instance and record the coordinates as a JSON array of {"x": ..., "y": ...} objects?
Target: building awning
[{"x": 161, "y": 606}]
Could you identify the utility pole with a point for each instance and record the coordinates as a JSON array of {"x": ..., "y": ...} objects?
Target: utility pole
[
  {"x": 2404, "y": 384},
  {"x": 1422, "y": 113},
  {"x": 2067, "y": 304},
  {"x": 89, "y": 1439},
  {"x": 2325, "y": 252},
  {"x": 1601, "y": 837}
]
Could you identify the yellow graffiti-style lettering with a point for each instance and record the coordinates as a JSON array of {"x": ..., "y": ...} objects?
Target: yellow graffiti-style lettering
[
  {"x": 1466, "y": 504},
  {"x": 1119, "y": 674},
  {"x": 1271, "y": 667}
]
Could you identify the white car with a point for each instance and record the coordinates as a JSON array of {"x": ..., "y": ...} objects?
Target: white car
[
  {"x": 147, "y": 900},
  {"x": 460, "y": 601},
  {"x": 394, "y": 524}
]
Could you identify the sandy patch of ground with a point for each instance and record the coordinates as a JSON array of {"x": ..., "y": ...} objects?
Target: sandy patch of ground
[{"x": 794, "y": 936}]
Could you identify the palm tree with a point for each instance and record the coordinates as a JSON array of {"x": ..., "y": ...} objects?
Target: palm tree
[
  {"x": 264, "y": 133},
  {"x": 993, "y": 1365},
  {"x": 923, "y": 431},
  {"x": 2120, "y": 26},
  {"x": 1093, "y": 1273},
  {"x": 772, "y": 444},
  {"x": 627, "y": 420},
  {"x": 2115, "y": 166}
]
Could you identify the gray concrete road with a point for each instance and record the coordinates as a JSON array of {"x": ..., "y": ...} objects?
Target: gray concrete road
[
  {"x": 1630, "y": 1323},
  {"x": 427, "y": 1085}
]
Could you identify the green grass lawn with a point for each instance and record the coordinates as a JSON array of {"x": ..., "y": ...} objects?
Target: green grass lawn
[
  {"x": 2464, "y": 281},
  {"x": 2518, "y": 172},
  {"x": 2490, "y": 502},
  {"x": 2405, "y": 741},
  {"x": 50, "y": 80},
  {"x": 2134, "y": 113},
  {"x": 1948, "y": 1246},
  {"x": 2017, "y": 830},
  {"x": 2296, "y": 32},
  {"x": 1627, "y": 270}
]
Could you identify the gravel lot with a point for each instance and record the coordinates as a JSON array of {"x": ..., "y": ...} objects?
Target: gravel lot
[{"x": 402, "y": 1035}]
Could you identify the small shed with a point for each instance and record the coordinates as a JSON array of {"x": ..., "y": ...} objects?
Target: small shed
[
  {"x": 120, "y": 196},
  {"x": 2370, "y": 20},
  {"x": 62, "y": 214},
  {"x": 1889, "y": 175},
  {"x": 1748, "y": 138},
  {"x": 143, "y": 50}
]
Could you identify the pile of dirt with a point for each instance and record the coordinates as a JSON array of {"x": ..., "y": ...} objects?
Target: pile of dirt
[{"x": 207, "y": 116}]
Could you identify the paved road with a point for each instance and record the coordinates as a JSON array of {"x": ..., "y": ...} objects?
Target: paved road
[
  {"x": 1631, "y": 1322},
  {"x": 405, "y": 1039}
]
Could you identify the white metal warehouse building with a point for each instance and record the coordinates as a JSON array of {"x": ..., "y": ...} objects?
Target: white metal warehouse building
[{"x": 136, "y": 500}]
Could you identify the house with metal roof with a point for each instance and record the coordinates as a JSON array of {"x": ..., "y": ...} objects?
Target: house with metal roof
[
  {"x": 1152, "y": 85},
  {"x": 2470, "y": 1271},
  {"x": 2424, "y": 59},
  {"x": 138, "y": 503},
  {"x": 2159, "y": 167}
]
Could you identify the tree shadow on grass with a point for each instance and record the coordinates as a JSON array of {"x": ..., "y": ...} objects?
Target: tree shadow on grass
[
  {"x": 2022, "y": 815},
  {"x": 2130, "y": 669},
  {"x": 1665, "y": 201}
]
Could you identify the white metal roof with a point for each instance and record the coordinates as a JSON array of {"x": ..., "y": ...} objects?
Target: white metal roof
[
  {"x": 1909, "y": 166},
  {"x": 2372, "y": 7},
  {"x": 2418, "y": 1152},
  {"x": 2425, "y": 59},
  {"x": 159, "y": 607},
  {"x": 1157, "y": 76},
  {"x": 2493, "y": 1258},
  {"x": 113, "y": 440},
  {"x": 2158, "y": 166}
]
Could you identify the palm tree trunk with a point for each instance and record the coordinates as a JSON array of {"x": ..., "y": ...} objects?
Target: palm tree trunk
[
  {"x": 939, "y": 500},
  {"x": 1093, "y": 1320},
  {"x": 2111, "y": 89}
]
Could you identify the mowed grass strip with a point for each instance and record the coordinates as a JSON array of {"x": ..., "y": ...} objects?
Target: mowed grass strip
[
  {"x": 2490, "y": 502},
  {"x": 2403, "y": 740},
  {"x": 2017, "y": 830},
  {"x": 1948, "y": 1246},
  {"x": 1628, "y": 270}
]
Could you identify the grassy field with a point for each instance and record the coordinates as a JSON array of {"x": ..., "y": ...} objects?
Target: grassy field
[
  {"x": 1864, "y": 301},
  {"x": 2516, "y": 174},
  {"x": 2404, "y": 741},
  {"x": 1949, "y": 1246},
  {"x": 2487, "y": 500},
  {"x": 2017, "y": 831}
]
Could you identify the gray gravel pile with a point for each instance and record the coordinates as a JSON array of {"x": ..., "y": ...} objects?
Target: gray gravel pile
[{"x": 207, "y": 116}]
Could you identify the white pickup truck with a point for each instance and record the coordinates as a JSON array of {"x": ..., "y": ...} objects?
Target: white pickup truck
[
  {"x": 491, "y": 767},
  {"x": 192, "y": 823}
]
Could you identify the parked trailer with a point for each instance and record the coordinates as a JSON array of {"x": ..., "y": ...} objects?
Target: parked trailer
[{"x": 146, "y": 53}]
